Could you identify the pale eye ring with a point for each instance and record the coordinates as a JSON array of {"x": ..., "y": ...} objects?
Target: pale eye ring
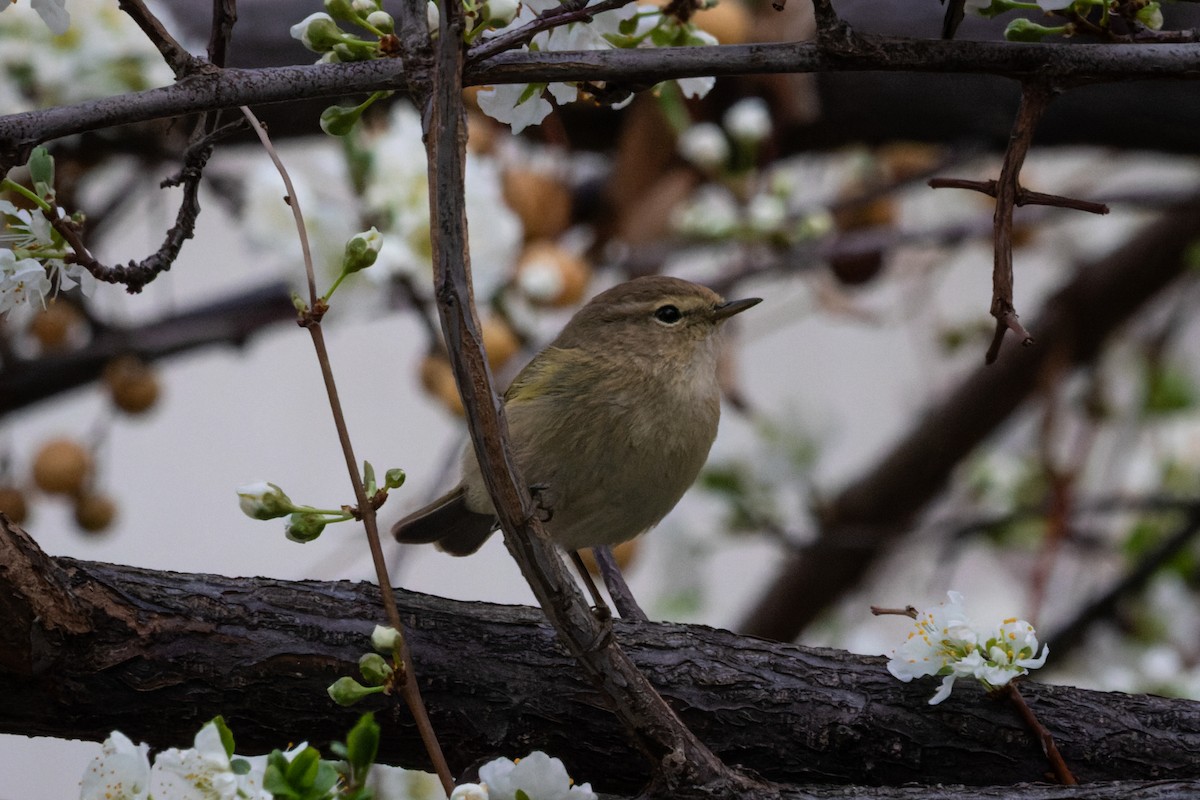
[{"x": 668, "y": 314}]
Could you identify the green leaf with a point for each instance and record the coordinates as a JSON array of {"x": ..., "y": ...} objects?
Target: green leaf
[
  {"x": 327, "y": 777},
  {"x": 520, "y": 795},
  {"x": 41, "y": 170},
  {"x": 275, "y": 780},
  {"x": 362, "y": 743},
  {"x": 226, "y": 734},
  {"x": 369, "y": 478},
  {"x": 1168, "y": 390},
  {"x": 302, "y": 772},
  {"x": 239, "y": 766},
  {"x": 628, "y": 26}
]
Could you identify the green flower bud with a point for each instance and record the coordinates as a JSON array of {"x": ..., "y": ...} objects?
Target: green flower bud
[
  {"x": 362, "y": 249},
  {"x": 304, "y": 526},
  {"x": 394, "y": 478},
  {"x": 347, "y": 691},
  {"x": 381, "y": 21},
  {"x": 264, "y": 500},
  {"x": 499, "y": 13},
  {"x": 375, "y": 670},
  {"x": 1151, "y": 16},
  {"x": 342, "y": 9},
  {"x": 318, "y": 32},
  {"x": 41, "y": 170}
]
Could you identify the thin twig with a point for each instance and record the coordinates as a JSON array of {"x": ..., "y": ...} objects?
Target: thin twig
[
  {"x": 908, "y": 611},
  {"x": 1062, "y": 773},
  {"x": 311, "y": 320},
  {"x": 568, "y": 12},
  {"x": 181, "y": 62},
  {"x": 1025, "y": 197},
  {"x": 1035, "y": 97}
]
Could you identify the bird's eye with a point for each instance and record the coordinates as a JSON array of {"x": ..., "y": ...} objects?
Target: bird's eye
[{"x": 668, "y": 314}]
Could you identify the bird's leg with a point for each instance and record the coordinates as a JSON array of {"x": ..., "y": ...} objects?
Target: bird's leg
[
  {"x": 618, "y": 590},
  {"x": 602, "y": 611}
]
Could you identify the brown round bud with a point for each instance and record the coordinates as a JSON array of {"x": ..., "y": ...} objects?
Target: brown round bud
[
  {"x": 500, "y": 342},
  {"x": 437, "y": 377},
  {"x": 12, "y": 504},
  {"x": 132, "y": 384},
  {"x": 94, "y": 512},
  {"x": 550, "y": 275},
  {"x": 54, "y": 325},
  {"x": 542, "y": 202},
  {"x": 62, "y": 466}
]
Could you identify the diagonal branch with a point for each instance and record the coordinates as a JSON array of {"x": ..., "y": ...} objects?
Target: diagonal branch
[
  {"x": 872, "y": 513},
  {"x": 680, "y": 763}
]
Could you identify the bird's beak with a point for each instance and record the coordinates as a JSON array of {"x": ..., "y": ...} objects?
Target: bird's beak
[{"x": 726, "y": 310}]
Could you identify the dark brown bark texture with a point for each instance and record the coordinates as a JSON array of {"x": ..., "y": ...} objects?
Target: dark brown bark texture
[{"x": 88, "y": 647}]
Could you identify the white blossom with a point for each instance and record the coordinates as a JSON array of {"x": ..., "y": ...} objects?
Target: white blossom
[
  {"x": 946, "y": 643},
  {"x": 202, "y": 772},
  {"x": 21, "y": 281},
  {"x": 538, "y": 775},
  {"x": 470, "y": 791},
  {"x": 748, "y": 120},
  {"x": 504, "y": 103},
  {"x": 705, "y": 145},
  {"x": 120, "y": 772}
]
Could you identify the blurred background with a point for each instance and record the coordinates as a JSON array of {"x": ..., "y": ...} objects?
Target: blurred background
[{"x": 866, "y": 455}]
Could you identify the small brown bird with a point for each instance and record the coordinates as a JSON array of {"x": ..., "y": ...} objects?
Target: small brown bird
[{"x": 610, "y": 423}]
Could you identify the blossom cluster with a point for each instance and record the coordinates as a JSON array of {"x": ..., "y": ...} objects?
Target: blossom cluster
[
  {"x": 517, "y": 105},
  {"x": 945, "y": 642},
  {"x": 209, "y": 771},
  {"x": 33, "y": 259},
  {"x": 43, "y": 62}
]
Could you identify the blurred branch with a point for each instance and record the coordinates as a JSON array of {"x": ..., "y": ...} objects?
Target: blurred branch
[
  {"x": 154, "y": 653},
  {"x": 1104, "y": 606},
  {"x": 878, "y": 507},
  {"x": 230, "y": 320}
]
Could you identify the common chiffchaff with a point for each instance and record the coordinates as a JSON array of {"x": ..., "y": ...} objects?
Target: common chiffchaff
[{"x": 611, "y": 422}]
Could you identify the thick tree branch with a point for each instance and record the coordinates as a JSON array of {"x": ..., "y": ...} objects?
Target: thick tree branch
[
  {"x": 231, "y": 88},
  {"x": 86, "y": 648}
]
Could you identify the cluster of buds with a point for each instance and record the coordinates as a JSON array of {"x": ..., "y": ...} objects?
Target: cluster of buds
[{"x": 321, "y": 33}]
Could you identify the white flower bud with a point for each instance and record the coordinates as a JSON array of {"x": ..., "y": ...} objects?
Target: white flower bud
[
  {"x": 705, "y": 146},
  {"x": 433, "y": 17},
  {"x": 383, "y": 639},
  {"x": 469, "y": 791},
  {"x": 766, "y": 213},
  {"x": 749, "y": 120},
  {"x": 318, "y": 32},
  {"x": 263, "y": 500},
  {"x": 501, "y": 12}
]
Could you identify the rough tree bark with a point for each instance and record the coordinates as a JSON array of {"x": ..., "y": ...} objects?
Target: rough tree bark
[{"x": 88, "y": 647}]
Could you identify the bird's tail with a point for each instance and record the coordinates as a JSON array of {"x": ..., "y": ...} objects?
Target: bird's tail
[{"x": 448, "y": 523}]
